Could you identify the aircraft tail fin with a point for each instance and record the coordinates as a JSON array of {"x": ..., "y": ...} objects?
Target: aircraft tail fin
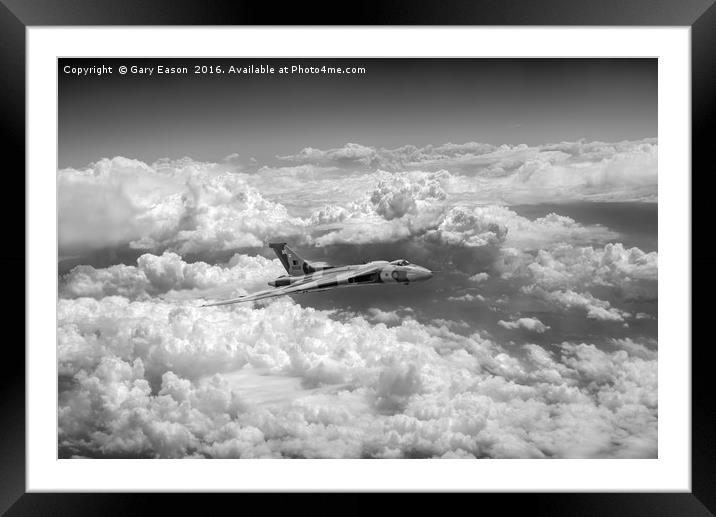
[{"x": 293, "y": 263}]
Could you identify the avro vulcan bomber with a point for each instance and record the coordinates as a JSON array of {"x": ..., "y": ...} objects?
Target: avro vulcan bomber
[{"x": 307, "y": 277}]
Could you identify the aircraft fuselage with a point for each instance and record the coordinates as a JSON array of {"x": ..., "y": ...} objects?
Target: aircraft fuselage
[
  {"x": 305, "y": 277},
  {"x": 385, "y": 273}
]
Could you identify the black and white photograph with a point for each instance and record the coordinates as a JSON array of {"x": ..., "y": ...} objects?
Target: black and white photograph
[{"x": 357, "y": 258}]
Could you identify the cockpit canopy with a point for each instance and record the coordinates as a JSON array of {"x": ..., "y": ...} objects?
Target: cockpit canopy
[{"x": 400, "y": 262}]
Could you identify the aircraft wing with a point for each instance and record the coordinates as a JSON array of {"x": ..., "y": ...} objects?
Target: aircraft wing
[{"x": 326, "y": 281}]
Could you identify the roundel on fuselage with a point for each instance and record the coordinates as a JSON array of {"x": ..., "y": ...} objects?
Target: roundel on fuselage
[{"x": 307, "y": 269}]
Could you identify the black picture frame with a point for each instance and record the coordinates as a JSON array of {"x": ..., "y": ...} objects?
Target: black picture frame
[{"x": 700, "y": 15}]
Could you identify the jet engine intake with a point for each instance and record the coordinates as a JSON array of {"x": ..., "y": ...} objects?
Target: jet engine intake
[{"x": 280, "y": 282}]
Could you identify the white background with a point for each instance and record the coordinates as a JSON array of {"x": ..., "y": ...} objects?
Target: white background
[{"x": 671, "y": 471}]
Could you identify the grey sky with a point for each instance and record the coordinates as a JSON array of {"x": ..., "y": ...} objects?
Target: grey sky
[{"x": 397, "y": 102}]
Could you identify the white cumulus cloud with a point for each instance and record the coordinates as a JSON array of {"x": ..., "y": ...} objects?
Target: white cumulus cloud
[
  {"x": 184, "y": 206},
  {"x": 531, "y": 324},
  {"x": 170, "y": 274},
  {"x": 594, "y": 307}
]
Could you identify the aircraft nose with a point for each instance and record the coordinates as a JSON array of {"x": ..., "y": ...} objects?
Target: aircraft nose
[{"x": 419, "y": 273}]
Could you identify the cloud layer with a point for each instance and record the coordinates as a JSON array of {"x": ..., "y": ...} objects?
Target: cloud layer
[
  {"x": 168, "y": 379},
  {"x": 490, "y": 366},
  {"x": 358, "y": 193},
  {"x": 170, "y": 276},
  {"x": 571, "y": 170}
]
